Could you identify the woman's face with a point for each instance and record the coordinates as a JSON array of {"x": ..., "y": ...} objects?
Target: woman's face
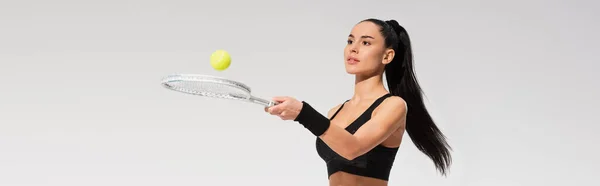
[{"x": 365, "y": 53}]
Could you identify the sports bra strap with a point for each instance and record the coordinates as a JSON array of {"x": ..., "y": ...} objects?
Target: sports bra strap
[
  {"x": 377, "y": 102},
  {"x": 338, "y": 110}
]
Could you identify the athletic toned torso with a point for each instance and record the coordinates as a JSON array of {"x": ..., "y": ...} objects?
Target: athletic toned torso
[{"x": 345, "y": 116}]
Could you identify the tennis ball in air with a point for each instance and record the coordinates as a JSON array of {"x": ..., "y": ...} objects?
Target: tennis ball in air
[{"x": 220, "y": 60}]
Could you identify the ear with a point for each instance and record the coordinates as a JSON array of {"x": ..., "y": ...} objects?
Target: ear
[{"x": 388, "y": 56}]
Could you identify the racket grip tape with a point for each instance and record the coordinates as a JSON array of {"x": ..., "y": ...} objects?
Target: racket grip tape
[{"x": 312, "y": 120}]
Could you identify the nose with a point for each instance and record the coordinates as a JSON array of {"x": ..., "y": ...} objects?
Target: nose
[{"x": 353, "y": 48}]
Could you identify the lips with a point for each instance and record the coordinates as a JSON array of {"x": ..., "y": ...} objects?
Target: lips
[{"x": 352, "y": 60}]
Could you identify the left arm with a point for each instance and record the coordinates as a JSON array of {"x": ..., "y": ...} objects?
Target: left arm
[{"x": 388, "y": 118}]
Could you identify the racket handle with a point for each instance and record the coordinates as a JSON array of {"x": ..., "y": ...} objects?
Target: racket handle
[{"x": 263, "y": 102}]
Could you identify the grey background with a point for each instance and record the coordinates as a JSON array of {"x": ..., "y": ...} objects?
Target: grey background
[{"x": 511, "y": 83}]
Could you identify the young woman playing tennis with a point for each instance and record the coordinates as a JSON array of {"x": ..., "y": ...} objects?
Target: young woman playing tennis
[{"x": 359, "y": 138}]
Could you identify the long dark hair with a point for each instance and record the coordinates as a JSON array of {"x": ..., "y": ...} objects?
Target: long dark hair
[{"x": 402, "y": 81}]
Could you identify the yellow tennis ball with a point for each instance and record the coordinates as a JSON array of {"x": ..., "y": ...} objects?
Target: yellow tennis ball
[{"x": 220, "y": 60}]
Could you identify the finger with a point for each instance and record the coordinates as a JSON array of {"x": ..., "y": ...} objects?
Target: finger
[
  {"x": 283, "y": 115},
  {"x": 275, "y": 110},
  {"x": 280, "y": 99},
  {"x": 270, "y": 111}
]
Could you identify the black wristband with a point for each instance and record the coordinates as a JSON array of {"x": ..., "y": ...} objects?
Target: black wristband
[{"x": 312, "y": 120}]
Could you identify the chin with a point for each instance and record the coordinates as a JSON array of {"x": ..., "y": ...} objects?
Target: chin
[
  {"x": 361, "y": 70},
  {"x": 353, "y": 70}
]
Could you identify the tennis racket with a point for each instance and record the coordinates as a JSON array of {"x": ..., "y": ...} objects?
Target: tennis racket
[{"x": 212, "y": 86}]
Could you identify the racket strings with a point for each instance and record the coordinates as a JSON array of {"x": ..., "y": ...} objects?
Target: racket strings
[
  {"x": 210, "y": 89},
  {"x": 211, "y": 86}
]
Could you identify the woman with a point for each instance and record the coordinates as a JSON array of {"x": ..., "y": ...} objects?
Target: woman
[{"x": 360, "y": 137}]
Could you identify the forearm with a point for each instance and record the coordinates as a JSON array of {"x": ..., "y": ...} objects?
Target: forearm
[
  {"x": 337, "y": 138},
  {"x": 341, "y": 141}
]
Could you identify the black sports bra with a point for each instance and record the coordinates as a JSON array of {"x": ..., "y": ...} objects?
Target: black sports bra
[{"x": 376, "y": 163}]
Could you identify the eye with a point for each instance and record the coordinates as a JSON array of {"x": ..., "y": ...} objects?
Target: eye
[
  {"x": 366, "y": 43},
  {"x": 349, "y": 41}
]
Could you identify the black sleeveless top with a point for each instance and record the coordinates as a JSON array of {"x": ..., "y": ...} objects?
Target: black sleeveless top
[{"x": 376, "y": 163}]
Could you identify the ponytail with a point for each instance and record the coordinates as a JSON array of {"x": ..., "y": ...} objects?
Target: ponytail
[{"x": 402, "y": 82}]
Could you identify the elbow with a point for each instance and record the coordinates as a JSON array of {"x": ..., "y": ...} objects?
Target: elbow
[
  {"x": 351, "y": 153},
  {"x": 349, "y": 157}
]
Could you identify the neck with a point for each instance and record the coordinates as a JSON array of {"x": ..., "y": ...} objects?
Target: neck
[{"x": 368, "y": 88}]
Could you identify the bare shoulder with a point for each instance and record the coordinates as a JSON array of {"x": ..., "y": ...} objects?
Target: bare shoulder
[
  {"x": 392, "y": 105},
  {"x": 391, "y": 111}
]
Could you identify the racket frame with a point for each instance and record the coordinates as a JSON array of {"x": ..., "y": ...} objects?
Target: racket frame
[{"x": 217, "y": 80}]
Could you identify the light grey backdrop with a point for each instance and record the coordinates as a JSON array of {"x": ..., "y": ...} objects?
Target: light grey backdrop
[{"x": 511, "y": 83}]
